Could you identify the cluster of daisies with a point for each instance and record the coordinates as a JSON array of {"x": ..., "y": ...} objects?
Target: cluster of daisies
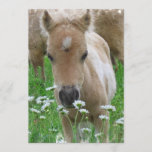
[
  {"x": 44, "y": 101},
  {"x": 79, "y": 105}
]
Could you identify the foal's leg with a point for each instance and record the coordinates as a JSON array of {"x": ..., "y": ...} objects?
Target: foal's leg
[
  {"x": 35, "y": 70},
  {"x": 113, "y": 60},
  {"x": 121, "y": 58},
  {"x": 42, "y": 71},
  {"x": 68, "y": 134}
]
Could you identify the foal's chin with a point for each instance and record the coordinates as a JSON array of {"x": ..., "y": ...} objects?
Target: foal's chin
[{"x": 68, "y": 106}]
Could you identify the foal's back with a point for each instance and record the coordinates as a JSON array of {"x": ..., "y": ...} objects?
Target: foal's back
[{"x": 99, "y": 57}]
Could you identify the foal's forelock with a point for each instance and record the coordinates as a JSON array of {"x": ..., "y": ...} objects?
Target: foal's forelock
[{"x": 66, "y": 44}]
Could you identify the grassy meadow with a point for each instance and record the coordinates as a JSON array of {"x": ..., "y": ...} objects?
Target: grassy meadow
[{"x": 45, "y": 125}]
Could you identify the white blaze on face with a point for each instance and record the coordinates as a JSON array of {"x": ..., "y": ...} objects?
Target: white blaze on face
[{"x": 67, "y": 41}]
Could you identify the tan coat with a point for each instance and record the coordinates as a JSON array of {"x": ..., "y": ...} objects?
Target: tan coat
[
  {"x": 94, "y": 77},
  {"x": 37, "y": 41},
  {"x": 109, "y": 24}
]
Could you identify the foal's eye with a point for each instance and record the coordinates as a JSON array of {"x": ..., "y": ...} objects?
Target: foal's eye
[
  {"x": 84, "y": 56},
  {"x": 50, "y": 57}
]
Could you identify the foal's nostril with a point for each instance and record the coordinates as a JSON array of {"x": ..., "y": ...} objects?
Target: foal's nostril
[
  {"x": 61, "y": 95},
  {"x": 76, "y": 95},
  {"x": 68, "y": 95}
]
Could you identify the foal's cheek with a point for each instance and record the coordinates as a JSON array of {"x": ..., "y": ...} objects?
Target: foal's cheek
[
  {"x": 54, "y": 73},
  {"x": 81, "y": 79}
]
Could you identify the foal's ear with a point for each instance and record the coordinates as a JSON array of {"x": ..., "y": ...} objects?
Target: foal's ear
[
  {"x": 85, "y": 20},
  {"x": 47, "y": 21}
]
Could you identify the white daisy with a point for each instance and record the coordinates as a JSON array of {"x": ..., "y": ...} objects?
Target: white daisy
[
  {"x": 34, "y": 110},
  {"x": 42, "y": 117},
  {"x": 29, "y": 132},
  {"x": 79, "y": 104},
  {"x": 97, "y": 135},
  {"x": 51, "y": 88},
  {"x": 53, "y": 130},
  {"x": 40, "y": 99},
  {"x": 86, "y": 130},
  {"x": 84, "y": 111},
  {"x": 122, "y": 118},
  {"x": 103, "y": 117},
  {"x": 60, "y": 139},
  {"x": 45, "y": 106},
  {"x": 63, "y": 112},
  {"x": 30, "y": 98},
  {"x": 108, "y": 107},
  {"x": 59, "y": 108},
  {"x": 120, "y": 121},
  {"x": 48, "y": 101}
]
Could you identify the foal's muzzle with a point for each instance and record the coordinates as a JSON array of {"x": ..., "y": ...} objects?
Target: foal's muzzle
[{"x": 67, "y": 95}]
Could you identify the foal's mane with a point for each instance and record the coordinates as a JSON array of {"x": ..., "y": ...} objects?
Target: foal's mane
[{"x": 69, "y": 18}]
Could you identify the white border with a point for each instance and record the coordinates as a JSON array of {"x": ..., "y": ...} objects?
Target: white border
[{"x": 13, "y": 75}]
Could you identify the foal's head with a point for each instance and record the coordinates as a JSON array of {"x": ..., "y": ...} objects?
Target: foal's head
[{"x": 67, "y": 51}]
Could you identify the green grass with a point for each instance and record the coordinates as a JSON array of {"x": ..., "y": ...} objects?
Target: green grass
[{"x": 46, "y": 130}]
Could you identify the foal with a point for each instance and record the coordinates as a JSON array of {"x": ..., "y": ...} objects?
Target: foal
[
  {"x": 81, "y": 67},
  {"x": 37, "y": 41},
  {"x": 110, "y": 25}
]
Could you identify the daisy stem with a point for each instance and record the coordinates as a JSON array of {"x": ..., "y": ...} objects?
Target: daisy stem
[
  {"x": 102, "y": 130},
  {"x": 76, "y": 118},
  {"x": 75, "y": 129},
  {"x": 82, "y": 118},
  {"x": 69, "y": 122},
  {"x": 70, "y": 125}
]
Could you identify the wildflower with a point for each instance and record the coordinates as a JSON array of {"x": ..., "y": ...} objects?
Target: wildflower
[
  {"x": 60, "y": 139},
  {"x": 59, "y": 108},
  {"x": 53, "y": 130},
  {"x": 86, "y": 118},
  {"x": 103, "y": 117},
  {"x": 98, "y": 135},
  {"x": 45, "y": 106},
  {"x": 84, "y": 111},
  {"x": 29, "y": 132},
  {"x": 79, "y": 104},
  {"x": 48, "y": 101},
  {"x": 63, "y": 112},
  {"x": 30, "y": 98},
  {"x": 42, "y": 117},
  {"x": 40, "y": 99},
  {"x": 120, "y": 121},
  {"x": 34, "y": 110},
  {"x": 86, "y": 130},
  {"x": 51, "y": 88},
  {"x": 122, "y": 118},
  {"x": 109, "y": 108}
]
